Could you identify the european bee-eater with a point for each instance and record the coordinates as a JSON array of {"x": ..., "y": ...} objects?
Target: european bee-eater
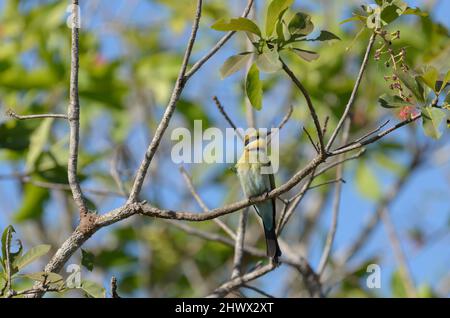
[{"x": 255, "y": 183}]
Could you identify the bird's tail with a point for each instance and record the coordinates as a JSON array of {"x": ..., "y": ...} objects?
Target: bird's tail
[{"x": 273, "y": 249}]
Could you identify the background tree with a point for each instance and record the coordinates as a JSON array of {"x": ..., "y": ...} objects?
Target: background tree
[{"x": 147, "y": 67}]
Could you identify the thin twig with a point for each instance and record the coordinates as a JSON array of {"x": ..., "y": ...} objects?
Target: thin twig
[
  {"x": 202, "y": 204},
  {"x": 311, "y": 140},
  {"x": 73, "y": 116},
  {"x": 336, "y": 204},
  {"x": 353, "y": 94},
  {"x": 399, "y": 254},
  {"x": 14, "y": 115},
  {"x": 262, "y": 292},
  {"x": 216, "y": 47},
  {"x": 164, "y": 123},
  {"x": 374, "y": 131},
  {"x": 356, "y": 145},
  {"x": 227, "y": 118},
  {"x": 234, "y": 283},
  {"x": 286, "y": 117},
  {"x": 337, "y": 180},
  {"x": 312, "y": 110}
]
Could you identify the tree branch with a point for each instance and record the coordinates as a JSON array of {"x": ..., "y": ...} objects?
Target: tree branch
[
  {"x": 14, "y": 115},
  {"x": 353, "y": 94},
  {"x": 73, "y": 116},
  {"x": 336, "y": 204},
  {"x": 164, "y": 123},
  {"x": 309, "y": 103}
]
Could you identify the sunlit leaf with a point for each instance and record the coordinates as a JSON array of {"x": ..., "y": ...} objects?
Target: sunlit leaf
[
  {"x": 253, "y": 87},
  {"x": 269, "y": 61},
  {"x": 326, "y": 36},
  {"x": 430, "y": 76},
  {"x": 306, "y": 55},
  {"x": 31, "y": 255},
  {"x": 237, "y": 24},
  {"x": 234, "y": 63},
  {"x": 301, "y": 24},
  {"x": 412, "y": 84},
  {"x": 93, "y": 289},
  {"x": 432, "y": 119},
  {"x": 389, "y": 101},
  {"x": 274, "y": 10}
]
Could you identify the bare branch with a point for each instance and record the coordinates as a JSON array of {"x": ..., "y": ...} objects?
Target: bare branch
[
  {"x": 14, "y": 115},
  {"x": 227, "y": 287},
  {"x": 73, "y": 116},
  {"x": 216, "y": 47},
  {"x": 353, "y": 94},
  {"x": 311, "y": 140},
  {"x": 356, "y": 145},
  {"x": 399, "y": 254},
  {"x": 286, "y": 117},
  {"x": 262, "y": 292},
  {"x": 227, "y": 118},
  {"x": 164, "y": 123},
  {"x": 309, "y": 103},
  {"x": 202, "y": 204},
  {"x": 239, "y": 245},
  {"x": 336, "y": 204}
]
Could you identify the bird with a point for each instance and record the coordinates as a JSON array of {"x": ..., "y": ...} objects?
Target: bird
[{"x": 255, "y": 183}]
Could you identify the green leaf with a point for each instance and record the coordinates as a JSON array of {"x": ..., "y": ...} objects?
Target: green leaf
[
  {"x": 432, "y": 118},
  {"x": 390, "y": 12},
  {"x": 300, "y": 24},
  {"x": 274, "y": 11},
  {"x": 446, "y": 80},
  {"x": 389, "y": 101},
  {"x": 87, "y": 260},
  {"x": 31, "y": 255},
  {"x": 93, "y": 289},
  {"x": 306, "y": 55},
  {"x": 412, "y": 84},
  {"x": 6, "y": 237},
  {"x": 430, "y": 76},
  {"x": 238, "y": 24},
  {"x": 253, "y": 87},
  {"x": 415, "y": 11},
  {"x": 37, "y": 142},
  {"x": 234, "y": 63},
  {"x": 356, "y": 17},
  {"x": 326, "y": 36},
  {"x": 269, "y": 61},
  {"x": 367, "y": 182}
]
